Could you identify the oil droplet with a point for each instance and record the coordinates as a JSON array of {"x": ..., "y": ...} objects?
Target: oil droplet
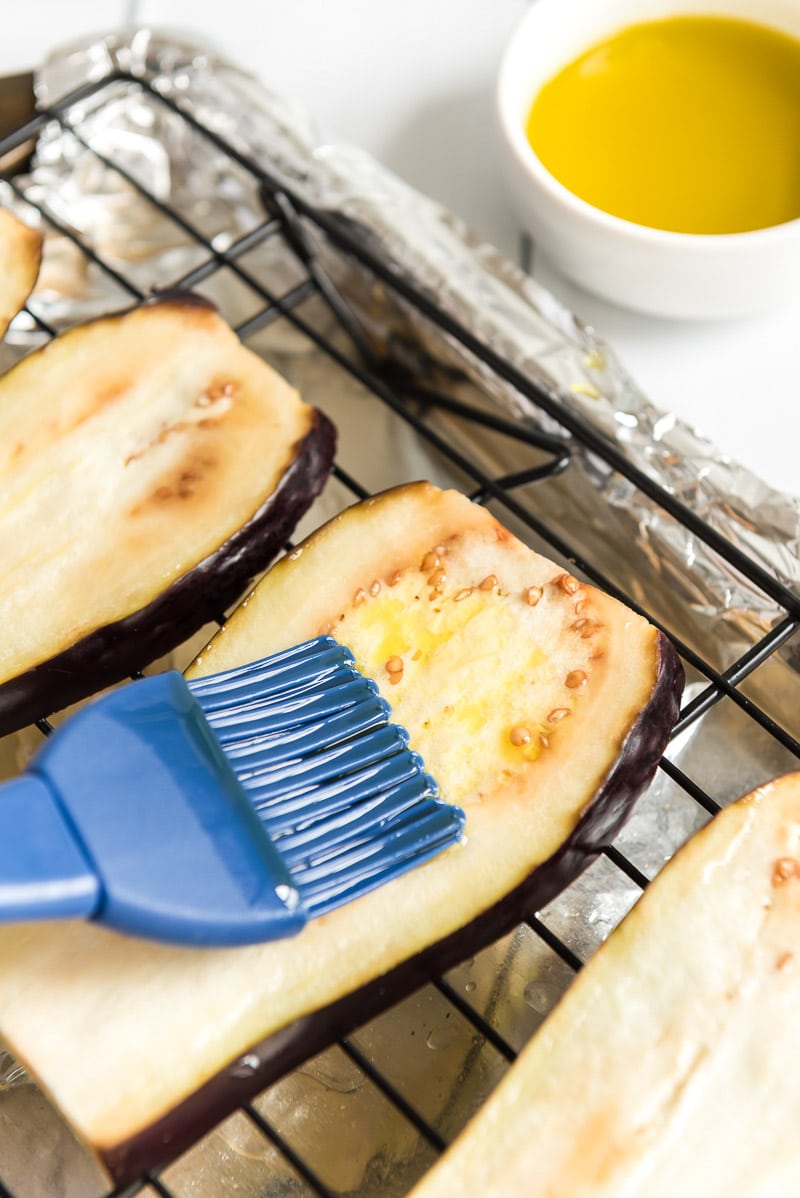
[
  {"x": 442, "y": 1037},
  {"x": 539, "y": 996},
  {"x": 602, "y": 922},
  {"x": 470, "y": 987}
]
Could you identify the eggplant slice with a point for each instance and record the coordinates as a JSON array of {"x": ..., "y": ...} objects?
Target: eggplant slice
[
  {"x": 21, "y": 256},
  {"x": 540, "y": 704},
  {"x": 150, "y": 467},
  {"x": 670, "y": 1066}
]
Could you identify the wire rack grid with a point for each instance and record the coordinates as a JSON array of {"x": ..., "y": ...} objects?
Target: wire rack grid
[{"x": 370, "y": 1112}]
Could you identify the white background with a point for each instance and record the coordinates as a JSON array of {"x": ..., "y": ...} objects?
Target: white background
[{"x": 412, "y": 82}]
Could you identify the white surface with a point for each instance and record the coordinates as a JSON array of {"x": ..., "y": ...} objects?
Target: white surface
[
  {"x": 412, "y": 81},
  {"x": 35, "y": 26}
]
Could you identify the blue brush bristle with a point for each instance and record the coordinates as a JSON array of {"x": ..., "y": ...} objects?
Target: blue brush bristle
[
  {"x": 306, "y": 664},
  {"x": 146, "y": 809},
  {"x": 345, "y": 801}
]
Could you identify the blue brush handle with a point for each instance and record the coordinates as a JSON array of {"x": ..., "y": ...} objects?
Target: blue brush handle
[
  {"x": 130, "y": 814},
  {"x": 43, "y": 873},
  {"x": 180, "y": 853}
]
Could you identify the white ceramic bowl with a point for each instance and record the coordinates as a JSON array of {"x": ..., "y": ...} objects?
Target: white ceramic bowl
[{"x": 668, "y": 274}]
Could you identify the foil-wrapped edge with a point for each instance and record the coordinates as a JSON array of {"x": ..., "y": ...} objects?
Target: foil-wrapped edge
[{"x": 490, "y": 297}]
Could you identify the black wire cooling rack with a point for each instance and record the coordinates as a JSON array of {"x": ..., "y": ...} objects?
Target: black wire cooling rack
[{"x": 369, "y": 1113}]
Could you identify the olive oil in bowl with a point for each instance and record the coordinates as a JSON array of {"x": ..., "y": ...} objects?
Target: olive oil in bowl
[{"x": 689, "y": 124}]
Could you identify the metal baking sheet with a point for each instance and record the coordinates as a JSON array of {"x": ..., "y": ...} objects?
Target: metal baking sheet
[{"x": 370, "y": 1114}]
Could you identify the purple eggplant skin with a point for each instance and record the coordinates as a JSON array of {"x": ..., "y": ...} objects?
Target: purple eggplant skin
[
  {"x": 294, "y": 1044},
  {"x": 114, "y": 652}
]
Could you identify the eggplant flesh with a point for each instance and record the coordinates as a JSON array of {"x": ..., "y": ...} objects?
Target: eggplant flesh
[
  {"x": 670, "y": 1066},
  {"x": 21, "y": 255},
  {"x": 541, "y": 705},
  {"x": 150, "y": 467}
]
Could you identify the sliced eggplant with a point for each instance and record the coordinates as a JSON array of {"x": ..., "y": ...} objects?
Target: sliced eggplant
[
  {"x": 150, "y": 467},
  {"x": 670, "y": 1066},
  {"x": 20, "y": 255},
  {"x": 541, "y": 705}
]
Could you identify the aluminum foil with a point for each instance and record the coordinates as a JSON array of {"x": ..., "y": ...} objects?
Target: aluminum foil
[
  {"x": 665, "y": 567},
  {"x": 644, "y": 552}
]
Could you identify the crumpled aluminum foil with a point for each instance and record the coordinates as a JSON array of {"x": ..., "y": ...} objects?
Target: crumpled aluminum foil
[
  {"x": 645, "y": 552},
  {"x": 667, "y": 568}
]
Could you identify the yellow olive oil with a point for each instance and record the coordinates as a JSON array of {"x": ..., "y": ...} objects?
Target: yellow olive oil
[{"x": 690, "y": 124}]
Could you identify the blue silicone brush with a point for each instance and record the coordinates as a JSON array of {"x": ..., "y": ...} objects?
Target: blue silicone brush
[{"x": 221, "y": 811}]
